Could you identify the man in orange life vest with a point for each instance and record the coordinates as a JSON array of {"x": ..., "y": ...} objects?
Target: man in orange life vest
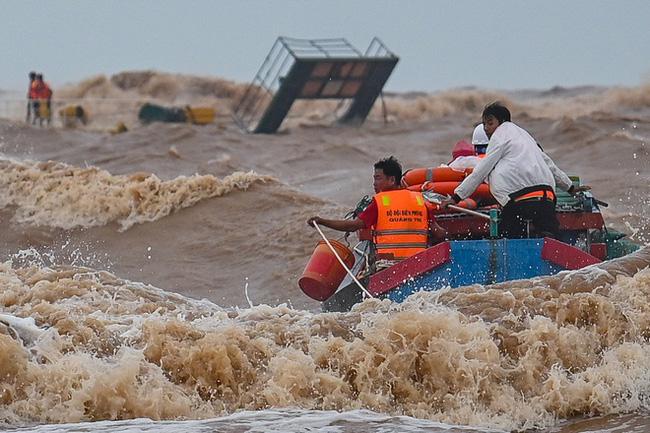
[
  {"x": 521, "y": 176},
  {"x": 399, "y": 218}
]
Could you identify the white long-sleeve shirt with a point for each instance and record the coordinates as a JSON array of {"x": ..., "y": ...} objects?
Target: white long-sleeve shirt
[
  {"x": 462, "y": 162},
  {"x": 513, "y": 162}
]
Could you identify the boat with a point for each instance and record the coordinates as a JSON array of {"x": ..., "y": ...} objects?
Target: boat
[{"x": 474, "y": 254}]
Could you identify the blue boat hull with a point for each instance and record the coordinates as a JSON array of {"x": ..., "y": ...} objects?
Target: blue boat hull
[
  {"x": 463, "y": 263},
  {"x": 481, "y": 262}
]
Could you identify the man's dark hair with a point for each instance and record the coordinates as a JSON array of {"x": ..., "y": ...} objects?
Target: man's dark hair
[
  {"x": 391, "y": 167},
  {"x": 498, "y": 110},
  {"x": 32, "y": 75}
]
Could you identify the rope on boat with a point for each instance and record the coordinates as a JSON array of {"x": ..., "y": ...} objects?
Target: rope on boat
[{"x": 363, "y": 289}]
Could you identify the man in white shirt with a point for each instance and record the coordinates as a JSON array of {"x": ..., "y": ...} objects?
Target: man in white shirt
[{"x": 521, "y": 176}]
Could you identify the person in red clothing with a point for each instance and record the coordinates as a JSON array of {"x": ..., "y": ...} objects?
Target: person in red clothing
[
  {"x": 399, "y": 218},
  {"x": 42, "y": 95},
  {"x": 463, "y": 156}
]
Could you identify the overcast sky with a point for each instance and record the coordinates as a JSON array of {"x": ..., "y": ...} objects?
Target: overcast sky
[{"x": 495, "y": 44}]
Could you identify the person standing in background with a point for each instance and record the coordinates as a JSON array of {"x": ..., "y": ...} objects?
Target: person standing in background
[
  {"x": 43, "y": 94},
  {"x": 30, "y": 95}
]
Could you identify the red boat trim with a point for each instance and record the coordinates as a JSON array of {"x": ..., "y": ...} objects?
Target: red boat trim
[
  {"x": 473, "y": 226},
  {"x": 389, "y": 278},
  {"x": 580, "y": 220},
  {"x": 566, "y": 256},
  {"x": 599, "y": 250},
  {"x": 464, "y": 226}
]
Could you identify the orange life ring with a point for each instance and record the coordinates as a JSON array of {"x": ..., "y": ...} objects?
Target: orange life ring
[
  {"x": 481, "y": 194},
  {"x": 417, "y": 176}
]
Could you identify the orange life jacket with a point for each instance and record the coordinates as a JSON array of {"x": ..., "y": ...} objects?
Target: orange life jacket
[{"x": 402, "y": 225}]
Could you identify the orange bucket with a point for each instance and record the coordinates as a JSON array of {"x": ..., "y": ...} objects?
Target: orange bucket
[{"x": 323, "y": 273}]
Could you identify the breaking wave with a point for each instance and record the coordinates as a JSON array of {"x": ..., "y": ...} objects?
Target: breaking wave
[
  {"x": 222, "y": 94},
  {"x": 512, "y": 357},
  {"x": 159, "y": 85},
  {"x": 447, "y": 103},
  {"x": 55, "y": 194}
]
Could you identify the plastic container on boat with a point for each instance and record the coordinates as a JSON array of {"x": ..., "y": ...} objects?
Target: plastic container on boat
[{"x": 323, "y": 273}]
